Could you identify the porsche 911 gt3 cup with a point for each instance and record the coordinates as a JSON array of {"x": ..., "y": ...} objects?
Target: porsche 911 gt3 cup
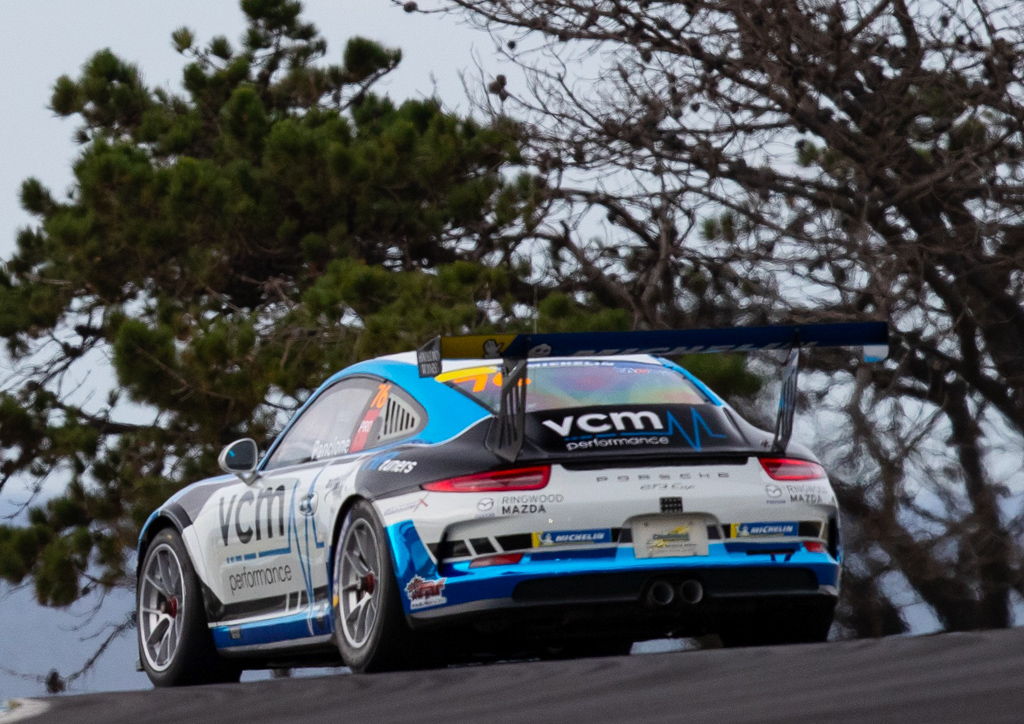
[{"x": 531, "y": 495}]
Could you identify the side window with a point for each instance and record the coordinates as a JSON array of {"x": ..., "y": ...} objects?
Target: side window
[
  {"x": 328, "y": 427},
  {"x": 392, "y": 415},
  {"x": 402, "y": 417}
]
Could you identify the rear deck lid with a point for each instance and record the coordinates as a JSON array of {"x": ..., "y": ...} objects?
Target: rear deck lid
[
  {"x": 610, "y": 406},
  {"x": 651, "y": 428}
]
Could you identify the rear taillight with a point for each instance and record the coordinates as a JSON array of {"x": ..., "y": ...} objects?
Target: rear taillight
[
  {"x": 791, "y": 469},
  {"x": 494, "y": 482}
]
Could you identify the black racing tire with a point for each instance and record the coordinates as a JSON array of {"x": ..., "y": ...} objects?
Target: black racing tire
[
  {"x": 796, "y": 625},
  {"x": 370, "y": 629},
  {"x": 175, "y": 644}
]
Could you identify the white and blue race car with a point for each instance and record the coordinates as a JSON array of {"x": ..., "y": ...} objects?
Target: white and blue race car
[{"x": 531, "y": 495}]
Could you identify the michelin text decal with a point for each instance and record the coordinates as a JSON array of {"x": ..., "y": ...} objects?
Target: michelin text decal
[
  {"x": 564, "y": 537},
  {"x": 742, "y": 530}
]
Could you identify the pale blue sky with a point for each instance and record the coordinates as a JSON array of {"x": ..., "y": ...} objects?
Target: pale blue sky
[{"x": 43, "y": 39}]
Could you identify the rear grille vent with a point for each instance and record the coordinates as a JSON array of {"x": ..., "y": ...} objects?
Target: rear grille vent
[{"x": 482, "y": 546}]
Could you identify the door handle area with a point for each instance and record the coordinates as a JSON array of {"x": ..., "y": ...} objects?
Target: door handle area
[{"x": 307, "y": 506}]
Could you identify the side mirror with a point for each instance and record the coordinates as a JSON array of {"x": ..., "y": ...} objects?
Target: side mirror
[{"x": 240, "y": 458}]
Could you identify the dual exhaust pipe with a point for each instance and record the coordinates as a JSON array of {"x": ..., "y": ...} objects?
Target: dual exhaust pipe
[{"x": 662, "y": 593}]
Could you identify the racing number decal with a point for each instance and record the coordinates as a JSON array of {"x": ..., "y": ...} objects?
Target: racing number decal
[
  {"x": 376, "y": 405},
  {"x": 378, "y": 401},
  {"x": 475, "y": 379}
]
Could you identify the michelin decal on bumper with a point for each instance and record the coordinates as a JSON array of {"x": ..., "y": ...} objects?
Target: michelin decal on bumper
[
  {"x": 742, "y": 530},
  {"x": 568, "y": 537}
]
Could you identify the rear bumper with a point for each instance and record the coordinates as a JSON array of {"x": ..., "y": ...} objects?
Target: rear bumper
[{"x": 730, "y": 574}]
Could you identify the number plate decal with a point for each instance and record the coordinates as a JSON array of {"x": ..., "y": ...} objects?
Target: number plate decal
[{"x": 663, "y": 536}]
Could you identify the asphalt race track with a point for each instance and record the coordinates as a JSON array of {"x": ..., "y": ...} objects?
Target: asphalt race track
[{"x": 970, "y": 677}]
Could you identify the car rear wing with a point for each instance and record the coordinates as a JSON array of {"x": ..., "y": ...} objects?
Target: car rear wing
[{"x": 505, "y": 438}]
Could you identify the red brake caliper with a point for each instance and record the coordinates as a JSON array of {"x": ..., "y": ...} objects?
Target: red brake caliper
[{"x": 368, "y": 583}]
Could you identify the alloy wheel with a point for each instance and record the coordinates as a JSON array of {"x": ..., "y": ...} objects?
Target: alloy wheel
[
  {"x": 358, "y": 582},
  {"x": 161, "y": 607}
]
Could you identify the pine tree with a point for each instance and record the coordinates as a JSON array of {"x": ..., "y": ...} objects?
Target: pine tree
[{"x": 223, "y": 250}]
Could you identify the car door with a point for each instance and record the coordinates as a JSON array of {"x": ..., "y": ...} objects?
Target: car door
[
  {"x": 390, "y": 416},
  {"x": 262, "y": 535}
]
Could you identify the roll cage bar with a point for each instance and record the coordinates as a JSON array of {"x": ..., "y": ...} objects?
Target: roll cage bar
[{"x": 506, "y": 435}]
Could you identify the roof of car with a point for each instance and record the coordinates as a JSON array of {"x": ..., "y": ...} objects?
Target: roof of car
[{"x": 458, "y": 364}]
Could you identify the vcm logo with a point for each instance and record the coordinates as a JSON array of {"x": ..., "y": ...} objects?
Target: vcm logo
[{"x": 596, "y": 422}]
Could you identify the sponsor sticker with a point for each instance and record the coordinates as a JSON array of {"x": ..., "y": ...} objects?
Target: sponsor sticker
[
  {"x": 529, "y": 503},
  {"x": 665, "y": 536},
  {"x": 389, "y": 463},
  {"x": 630, "y": 428},
  {"x": 809, "y": 493},
  {"x": 397, "y": 466},
  {"x": 255, "y": 515},
  {"x": 573, "y": 363},
  {"x": 679, "y": 534},
  {"x": 423, "y": 593},
  {"x": 569, "y": 537},
  {"x": 773, "y": 494},
  {"x": 333, "y": 484},
  {"x": 667, "y": 486},
  {"x": 407, "y": 507},
  {"x": 428, "y": 358},
  {"x": 249, "y": 579},
  {"x": 743, "y": 530}
]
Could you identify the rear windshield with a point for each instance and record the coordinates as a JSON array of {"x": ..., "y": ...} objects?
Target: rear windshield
[{"x": 559, "y": 384}]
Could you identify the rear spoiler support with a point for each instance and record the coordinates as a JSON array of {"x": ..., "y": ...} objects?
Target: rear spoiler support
[
  {"x": 507, "y": 433},
  {"x": 506, "y": 436},
  {"x": 787, "y": 402}
]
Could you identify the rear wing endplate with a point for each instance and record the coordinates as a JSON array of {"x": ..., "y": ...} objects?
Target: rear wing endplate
[{"x": 506, "y": 435}]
